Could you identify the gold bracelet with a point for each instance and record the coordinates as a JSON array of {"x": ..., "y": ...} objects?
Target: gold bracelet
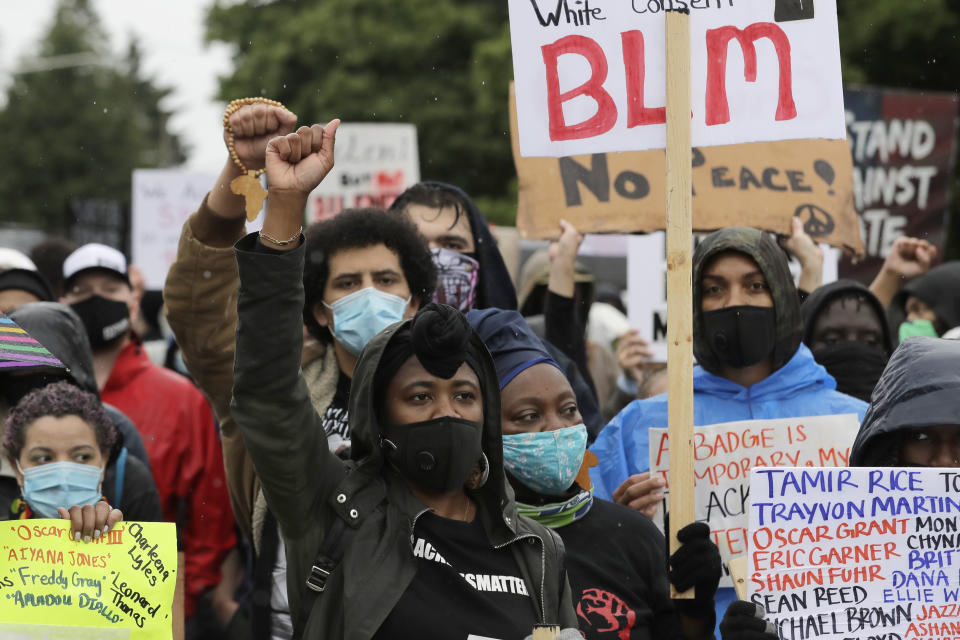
[
  {"x": 248, "y": 184},
  {"x": 281, "y": 243}
]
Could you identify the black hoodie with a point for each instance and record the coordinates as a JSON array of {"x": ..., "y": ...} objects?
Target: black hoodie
[
  {"x": 495, "y": 287},
  {"x": 61, "y": 331},
  {"x": 768, "y": 255},
  {"x": 939, "y": 290},
  {"x": 919, "y": 388},
  {"x": 818, "y": 301}
]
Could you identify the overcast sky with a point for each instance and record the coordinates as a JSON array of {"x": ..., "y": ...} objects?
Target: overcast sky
[{"x": 171, "y": 35}]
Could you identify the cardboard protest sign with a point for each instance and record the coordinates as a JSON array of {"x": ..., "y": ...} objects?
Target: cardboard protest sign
[
  {"x": 20, "y": 352},
  {"x": 856, "y": 553},
  {"x": 123, "y": 580},
  {"x": 725, "y": 453},
  {"x": 647, "y": 285},
  {"x": 374, "y": 163},
  {"x": 904, "y": 150},
  {"x": 761, "y": 185},
  {"x": 162, "y": 201},
  {"x": 591, "y": 76}
]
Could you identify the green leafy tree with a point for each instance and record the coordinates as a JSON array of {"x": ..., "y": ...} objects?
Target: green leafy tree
[
  {"x": 79, "y": 123},
  {"x": 443, "y": 65}
]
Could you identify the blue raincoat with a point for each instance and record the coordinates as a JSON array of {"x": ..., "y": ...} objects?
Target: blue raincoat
[{"x": 799, "y": 388}]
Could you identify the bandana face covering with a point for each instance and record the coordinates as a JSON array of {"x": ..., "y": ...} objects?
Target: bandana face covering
[
  {"x": 741, "y": 336},
  {"x": 106, "y": 320},
  {"x": 436, "y": 455},
  {"x": 546, "y": 461},
  {"x": 856, "y": 366},
  {"x": 917, "y": 329},
  {"x": 363, "y": 314},
  {"x": 457, "y": 277},
  {"x": 60, "y": 484}
]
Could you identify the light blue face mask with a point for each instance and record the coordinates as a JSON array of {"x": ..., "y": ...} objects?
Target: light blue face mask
[
  {"x": 363, "y": 314},
  {"x": 546, "y": 461},
  {"x": 60, "y": 484}
]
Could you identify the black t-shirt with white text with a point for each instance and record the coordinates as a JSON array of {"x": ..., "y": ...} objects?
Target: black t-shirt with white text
[
  {"x": 463, "y": 589},
  {"x": 335, "y": 419}
]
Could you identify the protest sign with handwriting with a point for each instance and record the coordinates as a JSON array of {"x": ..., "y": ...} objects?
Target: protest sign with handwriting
[
  {"x": 591, "y": 75},
  {"x": 856, "y": 553},
  {"x": 725, "y": 453},
  {"x": 123, "y": 580}
]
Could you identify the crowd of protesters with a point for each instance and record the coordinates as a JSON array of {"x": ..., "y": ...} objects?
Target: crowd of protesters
[{"x": 365, "y": 429}]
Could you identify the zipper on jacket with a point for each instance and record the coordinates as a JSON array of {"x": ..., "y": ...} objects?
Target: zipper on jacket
[{"x": 543, "y": 568}]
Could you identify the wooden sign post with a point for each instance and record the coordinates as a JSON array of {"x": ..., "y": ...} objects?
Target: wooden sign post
[{"x": 679, "y": 278}]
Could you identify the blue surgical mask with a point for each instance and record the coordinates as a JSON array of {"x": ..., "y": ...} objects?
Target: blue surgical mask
[
  {"x": 60, "y": 484},
  {"x": 546, "y": 461},
  {"x": 363, "y": 314}
]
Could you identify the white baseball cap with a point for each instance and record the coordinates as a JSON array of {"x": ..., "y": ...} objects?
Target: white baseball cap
[
  {"x": 13, "y": 259},
  {"x": 95, "y": 256}
]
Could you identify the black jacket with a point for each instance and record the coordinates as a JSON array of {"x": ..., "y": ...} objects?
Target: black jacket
[
  {"x": 919, "y": 388},
  {"x": 308, "y": 488}
]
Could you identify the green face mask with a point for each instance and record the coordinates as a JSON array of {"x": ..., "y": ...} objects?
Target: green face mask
[{"x": 917, "y": 329}]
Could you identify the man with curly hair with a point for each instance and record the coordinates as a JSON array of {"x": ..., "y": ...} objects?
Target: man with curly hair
[{"x": 364, "y": 270}]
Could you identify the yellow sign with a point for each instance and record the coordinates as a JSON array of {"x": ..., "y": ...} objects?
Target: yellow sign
[{"x": 124, "y": 580}]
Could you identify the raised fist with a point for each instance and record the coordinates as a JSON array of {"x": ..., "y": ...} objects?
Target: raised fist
[
  {"x": 253, "y": 126},
  {"x": 297, "y": 162}
]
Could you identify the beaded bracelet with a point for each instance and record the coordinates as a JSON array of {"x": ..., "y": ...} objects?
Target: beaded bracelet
[{"x": 248, "y": 184}]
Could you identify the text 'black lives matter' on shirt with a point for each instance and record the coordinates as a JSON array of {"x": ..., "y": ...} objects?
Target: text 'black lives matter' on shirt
[
  {"x": 335, "y": 419},
  {"x": 463, "y": 588}
]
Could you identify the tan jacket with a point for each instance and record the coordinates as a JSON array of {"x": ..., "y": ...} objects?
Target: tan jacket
[{"x": 200, "y": 296}]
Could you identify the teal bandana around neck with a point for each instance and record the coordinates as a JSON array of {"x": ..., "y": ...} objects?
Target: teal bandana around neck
[{"x": 559, "y": 514}]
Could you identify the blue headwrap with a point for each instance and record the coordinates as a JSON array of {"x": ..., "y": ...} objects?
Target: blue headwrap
[{"x": 513, "y": 345}]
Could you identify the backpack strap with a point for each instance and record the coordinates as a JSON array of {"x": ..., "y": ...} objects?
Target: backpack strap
[
  {"x": 329, "y": 556},
  {"x": 121, "y": 468}
]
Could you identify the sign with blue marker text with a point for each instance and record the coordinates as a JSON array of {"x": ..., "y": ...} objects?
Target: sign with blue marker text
[
  {"x": 725, "y": 453},
  {"x": 856, "y": 553}
]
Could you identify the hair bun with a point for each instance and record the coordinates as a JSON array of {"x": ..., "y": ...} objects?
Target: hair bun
[{"x": 440, "y": 336}]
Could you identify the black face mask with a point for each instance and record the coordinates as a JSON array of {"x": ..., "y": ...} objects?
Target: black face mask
[
  {"x": 741, "y": 336},
  {"x": 435, "y": 455},
  {"x": 107, "y": 321},
  {"x": 856, "y": 366}
]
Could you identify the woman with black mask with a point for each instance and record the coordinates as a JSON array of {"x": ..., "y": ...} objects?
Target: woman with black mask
[
  {"x": 846, "y": 328},
  {"x": 418, "y": 534}
]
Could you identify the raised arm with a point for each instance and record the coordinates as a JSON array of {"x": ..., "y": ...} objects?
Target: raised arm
[
  {"x": 200, "y": 294},
  {"x": 271, "y": 403}
]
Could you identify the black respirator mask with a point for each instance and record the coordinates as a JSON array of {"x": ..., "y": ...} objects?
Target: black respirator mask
[
  {"x": 107, "y": 321},
  {"x": 741, "y": 336},
  {"x": 436, "y": 455},
  {"x": 856, "y": 366}
]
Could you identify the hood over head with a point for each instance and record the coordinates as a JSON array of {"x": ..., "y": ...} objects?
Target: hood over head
[
  {"x": 495, "y": 287},
  {"x": 58, "y": 328},
  {"x": 919, "y": 388},
  {"x": 940, "y": 290},
  {"x": 427, "y": 334},
  {"x": 820, "y": 299},
  {"x": 768, "y": 255}
]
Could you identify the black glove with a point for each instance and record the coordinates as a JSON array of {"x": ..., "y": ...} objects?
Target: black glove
[
  {"x": 697, "y": 562},
  {"x": 744, "y": 621}
]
